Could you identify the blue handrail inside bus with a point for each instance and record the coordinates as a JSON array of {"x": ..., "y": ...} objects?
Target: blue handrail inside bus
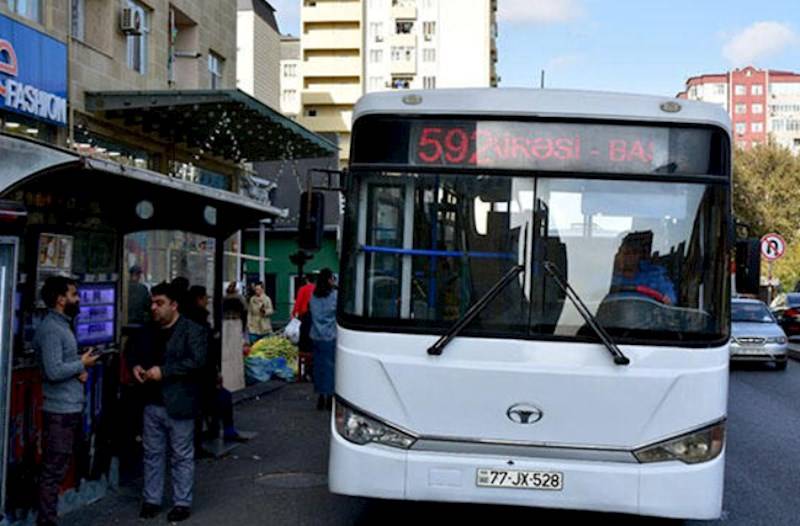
[{"x": 438, "y": 253}]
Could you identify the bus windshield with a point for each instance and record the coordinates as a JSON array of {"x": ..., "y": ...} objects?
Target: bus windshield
[{"x": 648, "y": 258}]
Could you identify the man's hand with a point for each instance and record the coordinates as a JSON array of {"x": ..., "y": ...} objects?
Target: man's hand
[
  {"x": 83, "y": 377},
  {"x": 88, "y": 359},
  {"x": 140, "y": 374},
  {"x": 154, "y": 374}
]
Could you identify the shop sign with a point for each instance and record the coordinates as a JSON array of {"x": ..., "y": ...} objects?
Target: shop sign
[{"x": 33, "y": 73}]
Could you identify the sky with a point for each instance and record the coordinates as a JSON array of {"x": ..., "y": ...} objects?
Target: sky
[{"x": 637, "y": 46}]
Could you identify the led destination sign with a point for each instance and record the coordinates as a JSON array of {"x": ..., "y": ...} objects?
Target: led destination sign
[{"x": 545, "y": 146}]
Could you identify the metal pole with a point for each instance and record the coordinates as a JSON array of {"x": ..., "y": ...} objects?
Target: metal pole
[
  {"x": 261, "y": 251},
  {"x": 219, "y": 258},
  {"x": 769, "y": 282}
]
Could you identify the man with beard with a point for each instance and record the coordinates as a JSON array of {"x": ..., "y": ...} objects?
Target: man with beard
[
  {"x": 64, "y": 372},
  {"x": 168, "y": 362}
]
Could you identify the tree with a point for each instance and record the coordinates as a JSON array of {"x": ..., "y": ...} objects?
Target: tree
[{"x": 766, "y": 196}]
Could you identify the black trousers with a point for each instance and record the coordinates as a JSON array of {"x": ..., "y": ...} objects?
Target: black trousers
[{"x": 62, "y": 434}]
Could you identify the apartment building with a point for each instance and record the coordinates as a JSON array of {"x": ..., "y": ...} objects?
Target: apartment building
[
  {"x": 331, "y": 47},
  {"x": 291, "y": 77},
  {"x": 762, "y": 104},
  {"x": 427, "y": 44},
  {"x": 258, "y": 42}
]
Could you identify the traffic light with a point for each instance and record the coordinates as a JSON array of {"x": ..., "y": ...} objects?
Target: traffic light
[{"x": 312, "y": 220}]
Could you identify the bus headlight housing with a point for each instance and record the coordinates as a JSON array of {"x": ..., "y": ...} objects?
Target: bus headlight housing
[
  {"x": 361, "y": 429},
  {"x": 693, "y": 448}
]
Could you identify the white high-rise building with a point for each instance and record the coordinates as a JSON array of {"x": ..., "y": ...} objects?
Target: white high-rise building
[
  {"x": 426, "y": 44},
  {"x": 291, "y": 76}
]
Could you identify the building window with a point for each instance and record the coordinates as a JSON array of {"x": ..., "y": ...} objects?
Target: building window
[
  {"x": 376, "y": 83},
  {"x": 719, "y": 89},
  {"x": 376, "y": 31},
  {"x": 215, "y": 65},
  {"x": 758, "y": 108},
  {"x": 289, "y": 97},
  {"x": 401, "y": 83},
  {"x": 429, "y": 30},
  {"x": 78, "y": 16},
  {"x": 740, "y": 89},
  {"x": 137, "y": 44},
  {"x": 290, "y": 70},
  {"x": 404, "y": 28},
  {"x": 429, "y": 82},
  {"x": 310, "y": 112},
  {"x": 31, "y": 9},
  {"x": 693, "y": 92},
  {"x": 429, "y": 55},
  {"x": 741, "y": 128},
  {"x": 757, "y": 127},
  {"x": 376, "y": 55},
  {"x": 741, "y": 109},
  {"x": 757, "y": 89}
]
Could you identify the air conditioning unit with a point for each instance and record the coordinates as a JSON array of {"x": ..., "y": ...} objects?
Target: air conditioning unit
[
  {"x": 428, "y": 37},
  {"x": 378, "y": 38},
  {"x": 130, "y": 22}
]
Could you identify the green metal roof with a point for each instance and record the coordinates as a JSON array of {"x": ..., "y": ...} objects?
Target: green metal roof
[{"x": 226, "y": 123}]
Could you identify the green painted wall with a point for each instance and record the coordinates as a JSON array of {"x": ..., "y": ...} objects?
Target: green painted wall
[{"x": 278, "y": 250}]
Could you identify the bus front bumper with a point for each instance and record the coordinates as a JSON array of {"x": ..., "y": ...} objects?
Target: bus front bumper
[{"x": 668, "y": 489}]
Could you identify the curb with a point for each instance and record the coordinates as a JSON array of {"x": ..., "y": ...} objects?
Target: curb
[{"x": 256, "y": 391}]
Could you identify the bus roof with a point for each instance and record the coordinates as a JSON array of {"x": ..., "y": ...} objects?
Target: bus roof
[{"x": 524, "y": 102}]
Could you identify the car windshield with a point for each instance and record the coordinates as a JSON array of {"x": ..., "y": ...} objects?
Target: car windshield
[
  {"x": 751, "y": 313},
  {"x": 645, "y": 257}
]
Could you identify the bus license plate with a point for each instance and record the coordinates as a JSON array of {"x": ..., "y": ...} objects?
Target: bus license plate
[{"x": 501, "y": 478}]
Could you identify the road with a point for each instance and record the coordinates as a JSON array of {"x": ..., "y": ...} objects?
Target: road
[{"x": 279, "y": 477}]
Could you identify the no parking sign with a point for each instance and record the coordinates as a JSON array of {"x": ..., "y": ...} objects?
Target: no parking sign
[{"x": 773, "y": 247}]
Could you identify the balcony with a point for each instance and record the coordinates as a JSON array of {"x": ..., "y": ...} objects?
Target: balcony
[
  {"x": 327, "y": 122},
  {"x": 403, "y": 40},
  {"x": 337, "y": 95},
  {"x": 332, "y": 39},
  {"x": 332, "y": 12},
  {"x": 332, "y": 67},
  {"x": 403, "y": 11},
  {"x": 404, "y": 67}
]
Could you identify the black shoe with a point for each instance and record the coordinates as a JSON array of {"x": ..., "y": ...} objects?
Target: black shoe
[
  {"x": 178, "y": 514},
  {"x": 328, "y": 403},
  {"x": 320, "y": 402},
  {"x": 149, "y": 511}
]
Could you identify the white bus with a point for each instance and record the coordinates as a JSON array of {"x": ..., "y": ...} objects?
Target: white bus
[{"x": 534, "y": 301}]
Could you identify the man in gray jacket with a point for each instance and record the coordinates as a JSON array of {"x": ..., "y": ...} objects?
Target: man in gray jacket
[
  {"x": 64, "y": 372},
  {"x": 168, "y": 361}
]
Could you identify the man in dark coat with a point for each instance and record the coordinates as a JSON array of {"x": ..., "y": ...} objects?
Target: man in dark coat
[{"x": 168, "y": 361}]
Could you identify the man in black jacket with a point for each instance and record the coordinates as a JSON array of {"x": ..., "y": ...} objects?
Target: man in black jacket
[{"x": 168, "y": 361}]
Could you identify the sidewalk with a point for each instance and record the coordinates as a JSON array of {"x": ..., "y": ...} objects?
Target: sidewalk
[{"x": 274, "y": 479}]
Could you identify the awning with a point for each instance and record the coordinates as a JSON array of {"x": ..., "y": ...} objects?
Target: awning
[
  {"x": 227, "y": 123},
  {"x": 133, "y": 199}
]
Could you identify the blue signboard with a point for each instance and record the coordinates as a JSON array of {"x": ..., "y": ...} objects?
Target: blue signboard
[{"x": 33, "y": 73}]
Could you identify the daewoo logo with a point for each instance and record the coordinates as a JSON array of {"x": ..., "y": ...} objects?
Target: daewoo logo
[
  {"x": 24, "y": 97},
  {"x": 524, "y": 414}
]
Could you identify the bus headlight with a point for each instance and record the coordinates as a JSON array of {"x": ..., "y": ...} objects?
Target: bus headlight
[
  {"x": 699, "y": 446},
  {"x": 360, "y": 429}
]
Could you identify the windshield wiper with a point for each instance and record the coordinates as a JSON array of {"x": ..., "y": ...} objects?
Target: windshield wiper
[
  {"x": 437, "y": 348},
  {"x": 619, "y": 357}
]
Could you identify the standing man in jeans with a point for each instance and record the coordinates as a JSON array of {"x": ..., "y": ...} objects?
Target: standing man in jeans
[
  {"x": 64, "y": 372},
  {"x": 168, "y": 362}
]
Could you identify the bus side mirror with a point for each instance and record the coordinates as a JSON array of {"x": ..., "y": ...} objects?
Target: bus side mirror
[
  {"x": 748, "y": 266},
  {"x": 312, "y": 220}
]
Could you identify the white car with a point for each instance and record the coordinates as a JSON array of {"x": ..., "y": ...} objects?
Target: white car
[{"x": 756, "y": 335}]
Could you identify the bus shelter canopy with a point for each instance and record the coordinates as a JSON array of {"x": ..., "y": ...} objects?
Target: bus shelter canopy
[
  {"x": 229, "y": 124},
  {"x": 135, "y": 199}
]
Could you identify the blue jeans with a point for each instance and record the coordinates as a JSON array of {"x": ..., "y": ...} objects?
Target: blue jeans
[
  {"x": 324, "y": 366},
  {"x": 160, "y": 431}
]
